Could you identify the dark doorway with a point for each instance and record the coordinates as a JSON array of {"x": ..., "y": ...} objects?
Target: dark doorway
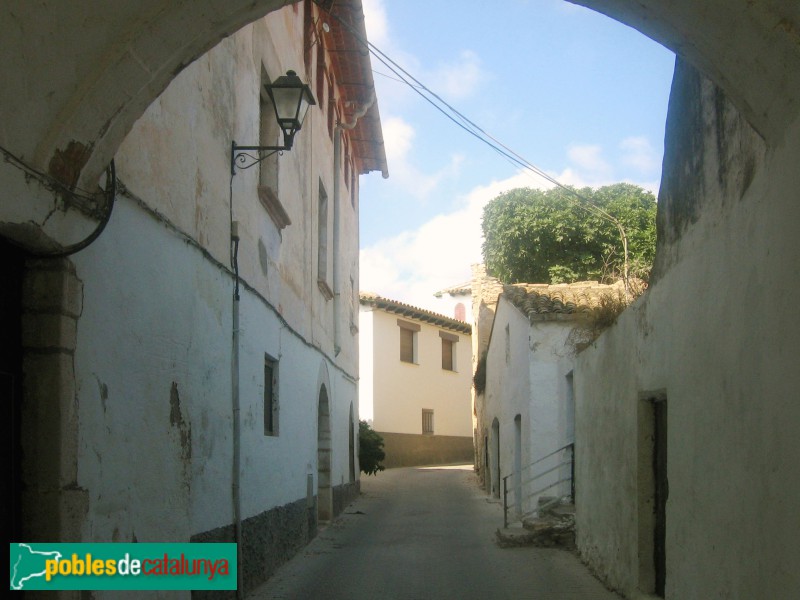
[
  {"x": 653, "y": 493},
  {"x": 12, "y": 268},
  {"x": 661, "y": 493},
  {"x": 324, "y": 493},
  {"x": 496, "y": 462}
]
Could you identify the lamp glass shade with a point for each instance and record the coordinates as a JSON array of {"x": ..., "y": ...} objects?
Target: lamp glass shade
[{"x": 291, "y": 99}]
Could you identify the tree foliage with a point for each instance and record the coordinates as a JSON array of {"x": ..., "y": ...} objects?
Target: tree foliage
[
  {"x": 550, "y": 236},
  {"x": 370, "y": 449}
]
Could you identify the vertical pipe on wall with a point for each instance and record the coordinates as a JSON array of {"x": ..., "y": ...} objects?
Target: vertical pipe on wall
[
  {"x": 337, "y": 165},
  {"x": 235, "y": 467}
]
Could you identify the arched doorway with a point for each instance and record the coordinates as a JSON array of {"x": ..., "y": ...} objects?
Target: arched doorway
[
  {"x": 324, "y": 495},
  {"x": 351, "y": 425},
  {"x": 495, "y": 468},
  {"x": 518, "y": 463}
]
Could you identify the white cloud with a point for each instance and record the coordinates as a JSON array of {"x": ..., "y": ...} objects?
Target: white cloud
[
  {"x": 376, "y": 23},
  {"x": 589, "y": 158},
  {"x": 639, "y": 153},
  {"x": 459, "y": 79},
  {"x": 398, "y": 136},
  {"x": 411, "y": 266}
]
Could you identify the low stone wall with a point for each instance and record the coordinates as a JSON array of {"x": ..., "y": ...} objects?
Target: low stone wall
[
  {"x": 268, "y": 540},
  {"x": 274, "y": 537},
  {"x": 409, "y": 450},
  {"x": 344, "y": 495}
]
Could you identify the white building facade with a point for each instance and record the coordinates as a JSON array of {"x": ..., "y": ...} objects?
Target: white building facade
[
  {"x": 527, "y": 411},
  {"x": 416, "y": 376},
  {"x": 205, "y": 344}
]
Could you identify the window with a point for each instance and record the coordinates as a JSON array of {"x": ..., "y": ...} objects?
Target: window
[
  {"x": 333, "y": 116},
  {"x": 269, "y": 134},
  {"x": 508, "y": 344},
  {"x": 322, "y": 244},
  {"x": 427, "y": 421},
  {"x": 460, "y": 312},
  {"x": 449, "y": 341},
  {"x": 408, "y": 341},
  {"x": 270, "y": 395}
]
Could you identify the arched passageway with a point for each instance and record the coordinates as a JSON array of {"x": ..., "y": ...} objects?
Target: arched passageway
[{"x": 73, "y": 87}]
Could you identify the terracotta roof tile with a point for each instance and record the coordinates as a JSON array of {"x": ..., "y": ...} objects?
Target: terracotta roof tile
[{"x": 413, "y": 312}]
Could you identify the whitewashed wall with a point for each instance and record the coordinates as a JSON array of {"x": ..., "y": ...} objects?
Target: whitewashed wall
[
  {"x": 154, "y": 340},
  {"x": 717, "y": 335},
  {"x": 532, "y": 384}
]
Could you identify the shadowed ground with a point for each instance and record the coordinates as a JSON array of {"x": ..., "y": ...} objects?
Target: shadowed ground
[{"x": 426, "y": 533}]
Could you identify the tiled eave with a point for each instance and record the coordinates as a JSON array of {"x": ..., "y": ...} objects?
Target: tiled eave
[
  {"x": 352, "y": 68},
  {"x": 412, "y": 312}
]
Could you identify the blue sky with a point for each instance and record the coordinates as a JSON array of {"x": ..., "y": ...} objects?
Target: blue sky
[{"x": 579, "y": 95}]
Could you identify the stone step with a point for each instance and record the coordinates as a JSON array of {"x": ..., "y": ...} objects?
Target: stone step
[{"x": 543, "y": 532}]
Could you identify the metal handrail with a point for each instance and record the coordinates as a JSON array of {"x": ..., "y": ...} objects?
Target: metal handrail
[
  {"x": 546, "y": 456},
  {"x": 561, "y": 464}
]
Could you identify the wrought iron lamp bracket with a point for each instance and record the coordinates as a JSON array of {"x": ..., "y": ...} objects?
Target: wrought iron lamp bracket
[{"x": 244, "y": 157}]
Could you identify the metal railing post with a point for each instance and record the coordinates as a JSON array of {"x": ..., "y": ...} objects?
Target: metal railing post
[
  {"x": 572, "y": 474},
  {"x": 505, "y": 502}
]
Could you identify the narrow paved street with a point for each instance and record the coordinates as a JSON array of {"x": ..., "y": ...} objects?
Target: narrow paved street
[{"x": 423, "y": 533}]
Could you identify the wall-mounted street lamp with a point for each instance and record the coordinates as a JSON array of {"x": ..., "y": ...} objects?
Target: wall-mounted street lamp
[{"x": 291, "y": 98}]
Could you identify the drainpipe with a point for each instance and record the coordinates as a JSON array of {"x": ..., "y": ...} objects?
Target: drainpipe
[
  {"x": 337, "y": 166},
  {"x": 236, "y": 467}
]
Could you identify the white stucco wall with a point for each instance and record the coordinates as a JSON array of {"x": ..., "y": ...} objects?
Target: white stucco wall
[
  {"x": 154, "y": 351},
  {"x": 366, "y": 350},
  {"x": 401, "y": 390},
  {"x": 533, "y": 384},
  {"x": 508, "y": 391},
  {"x": 717, "y": 334}
]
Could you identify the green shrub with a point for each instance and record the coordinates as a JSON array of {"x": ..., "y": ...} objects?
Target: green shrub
[{"x": 370, "y": 449}]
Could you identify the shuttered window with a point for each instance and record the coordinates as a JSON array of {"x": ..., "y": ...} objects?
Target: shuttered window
[
  {"x": 408, "y": 340},
  {"x": 406, "y": 345},
  {"x": 427, "y": 421},
  {"x": 448, "y": 350},
  {"x": 447, "y": 355}
]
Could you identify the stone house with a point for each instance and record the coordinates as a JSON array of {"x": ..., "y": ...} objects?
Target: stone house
[
  {"x": 203, "y": 348},
  {"x": 525, "y": 410},
  {"x": 416, "y": 375}
]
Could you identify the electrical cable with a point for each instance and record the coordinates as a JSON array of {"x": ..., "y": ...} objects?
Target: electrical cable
[
  {"x": 110, "y": 194},
  {"x": 476, "y": 131}
]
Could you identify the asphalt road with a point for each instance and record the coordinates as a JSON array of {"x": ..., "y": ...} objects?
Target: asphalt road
[{"x": 424, "y": 533}]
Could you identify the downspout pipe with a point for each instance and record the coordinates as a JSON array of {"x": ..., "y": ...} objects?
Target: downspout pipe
[
  {"x": 236, "y": 410},
  {"x": 337, "y": 168}
]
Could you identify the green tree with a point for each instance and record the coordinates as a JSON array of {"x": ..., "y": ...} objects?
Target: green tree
[
  {"x": 370, "y": 449},
  {"x": 553, "y": 236}
]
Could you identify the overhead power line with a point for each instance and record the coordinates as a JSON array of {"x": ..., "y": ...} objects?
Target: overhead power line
[{"x": 469, "y": 126}]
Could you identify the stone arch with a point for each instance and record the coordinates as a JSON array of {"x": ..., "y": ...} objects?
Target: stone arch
[
  {"x": 749, "y": 49},
  {"x": 76, "y": 90},
  {"x": 86, "y": 87}
]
